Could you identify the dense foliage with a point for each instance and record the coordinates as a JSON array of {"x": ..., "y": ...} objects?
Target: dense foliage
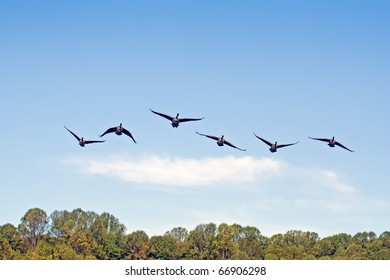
[{"x": 86, "y": 235}]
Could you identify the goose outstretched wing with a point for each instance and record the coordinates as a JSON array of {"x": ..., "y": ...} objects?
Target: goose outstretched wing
[
  {"x": 321, "y": 139},
  {"x": 93, "y": 141},
  {"x": 265, "y": 141},
  {"x": 78, "y": 138},
  {"x": 162, "y": 115},
  {"x": 125, "y": 131},
  {"x": 285, "y": 145},
  {"x": 209, "y": 136},
  {"x": 110, "y": 130},
  {"x": 231, "y": 145},
  {"x": 189, "y": 119},
  {"x": 342, "y": 146}
]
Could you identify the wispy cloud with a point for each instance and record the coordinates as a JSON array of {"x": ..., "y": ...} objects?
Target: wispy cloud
[
  {"x": 176, "y": 171},
  {"x": 325, "y": 189},
  {"x": 250, "y": 190},
  {"x": 303, "y": 188},
  {"x": 331, "y": 179},
  {"x": 317, "y": 180},
  {"x": 185, "y": 172}
]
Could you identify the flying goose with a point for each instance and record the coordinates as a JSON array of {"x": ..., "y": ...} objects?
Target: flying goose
[
  {"x": 118, "y": 131},
  {"x": 175, "y": 120},
  {"x": 331, "y": 142},
  {"x": 273, "y": 147},
  {"x": 81, "y": 140},
  {"x": 220, "y": 141}
]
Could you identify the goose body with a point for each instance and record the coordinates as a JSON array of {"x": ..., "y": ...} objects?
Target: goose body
[
  {"x": 331, "y": 142},
  {"x": 175, "y": 121},
  {"x": 81, "y": 140},
  {"x": 118, "y": 131},
  {"x": 220, "y": 141},
  {"x": 273, "y": 147}
]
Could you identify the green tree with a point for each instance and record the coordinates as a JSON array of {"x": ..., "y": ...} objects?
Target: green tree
[
  {"x": 73, "y": 234},
  {"x": 324, "y": 249},
  {"x": 251, "y": 243},
  {"x": 201, "y": 241},
  {"x": 108, "y": 232},
  {"x": 378, "y": 248},
  {"x": 110, "y": 224},
  {"x": 225, "y": 247},
  {"x": 293, "y": 245},
  {"x": 275, "y": 249},
  {"x": 178, "y": 233},
  {"x": 385, "y": 234},
  {"x": 162, "y": 247},
  {"x": 11, "y": 234},
  {"x": 62, "y": 251},
  {"x": 364, "y": 237},
  {"x": 33, "y": 226},
  {"x": 112, "y": 246},
  {"x": 43, "y": 251},
  {"x": 78, "y": 234},
  {"x": 136, "y": 246},
  {"x": 354, "y": 251},
  {"x": 334, "y": 246},
  {"x": 83, "y": 244},
  {"x": 6, "y": 252}
]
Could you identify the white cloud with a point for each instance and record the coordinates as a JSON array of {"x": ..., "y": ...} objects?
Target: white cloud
[
  {"x": 316, "y": 181},
  {"x": 325, "y": 189},
  {"x": 176, "y": 171},
  {"x": 285, "y": 184},
  {"x": 264, "y": 192},
  {"x": 332, "y": 180}
]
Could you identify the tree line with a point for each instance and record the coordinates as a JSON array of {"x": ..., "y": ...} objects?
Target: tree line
[{"x": 86, "y": 235}]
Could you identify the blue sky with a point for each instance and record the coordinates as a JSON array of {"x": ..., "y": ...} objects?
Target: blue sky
[{"x": 285, "y": 70}]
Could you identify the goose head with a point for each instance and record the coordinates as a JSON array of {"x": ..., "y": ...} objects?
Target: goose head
[
  {"x": 119, "y": 129},
  {"x": 274, "y": 147},
  {"x": 332, "y": 142},
  {"x": 220, "y": 141},
  {"x": 82, "y": 142},
  {"x": 175, "y": 121}
]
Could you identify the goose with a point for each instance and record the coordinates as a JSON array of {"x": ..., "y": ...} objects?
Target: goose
[
  {"x": 220, "y": 141},
  {"x": 118, "y": 131},
  {"x": 175, "y": 120},
  {"x": 331, "y": 142},
  {"x": 81, "y": 140},
  {"x": 273, "y": 147}
]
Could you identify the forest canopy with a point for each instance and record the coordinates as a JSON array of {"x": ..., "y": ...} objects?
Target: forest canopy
[{"x": 86, "y": 235}]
